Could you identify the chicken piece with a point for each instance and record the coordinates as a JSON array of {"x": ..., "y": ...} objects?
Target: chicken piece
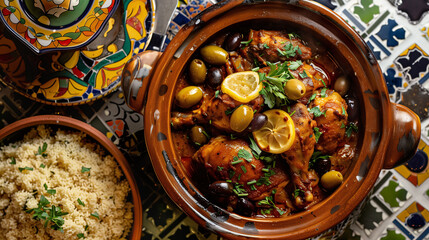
[
  {"x": 223, "y": 160},
  {"x": 274, "y": 46},
  {"x": 236, "y": 63},
  {"x": 298, "y": 157},
  {"x": 332, "y": 121},
  {"x": 214, "y": 111}
]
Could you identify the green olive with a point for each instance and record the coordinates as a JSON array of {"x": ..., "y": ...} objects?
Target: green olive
[
  {"x": 294, "y": 89},
  {"x": 197, "y": 71},
  {"x": 198, "y": 135},
  {"x": 241, "y": 118},
  {"x": 331, "y": 180},
  {"x": 342, "y": 85},
  {"x": 214, "y": 55},
  {"x": 189, "y": 96}
]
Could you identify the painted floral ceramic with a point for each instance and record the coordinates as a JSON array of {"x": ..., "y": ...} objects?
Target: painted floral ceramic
[
  {"x": 389, "y": 134},
  {"x": 16, "y": 130},
  {"x": 70, "y": 52}
]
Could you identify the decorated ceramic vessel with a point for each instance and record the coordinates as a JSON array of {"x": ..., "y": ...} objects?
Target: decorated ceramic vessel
[
  {"x": 388, "y": 133},
  {"x": 70, "y": 52},
  {"x": 15, "y": 131}
]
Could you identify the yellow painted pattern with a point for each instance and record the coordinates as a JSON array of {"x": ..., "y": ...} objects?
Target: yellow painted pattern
[{"x": 406, "y": 173}]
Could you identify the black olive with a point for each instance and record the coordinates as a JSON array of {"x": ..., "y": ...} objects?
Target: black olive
[
  {"x": 244, "y": 207},
  {"x": 233, "y": 41},
  {"x": 214, "y": 77},
  {"x": 322, "y": 166},
  {"x": 220, "y": 189},
  {"x": 258, "y": 121},
  {"x": 353, "y": 109}
]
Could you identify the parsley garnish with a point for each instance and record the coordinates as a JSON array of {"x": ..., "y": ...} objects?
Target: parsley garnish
[
  {"x": 95, "y": 214},
  {"x": 269, "y": 201},
  {"x": 351, "y": 127},
  {"x": 219, "y": 168},
  {"x": 323, "y": 92},
  {"x": 80, "y": 235},
  {"x": 273, "y": 91},
  {"x": 239, "y": 190},
  {"x": 42, "y": 150},
  {"x": 42, "y": 165},
  {"x": 13, "y": 161},
  {"x": 266, "y": 46},
  {"x": 84, "y": 169},
  {"x": 80, "y": 202},
  {"x": 316, "y": 111},
  {"x": 50, "y": 215},
  {"x": 25, "y": 168},
  {"x": 246, "y": 43},
  {"x": 243, "y": 168},
  {"x": 294, "y": 65},
  {"x": 303, "y": 74},
  {"x": 312, "y": 97},
  {"x": 316, "y": 156},
  {"x": 297, "y": 192},
  {"x": 317, "y": 134},
  {"x": 255, "y": 148},
  {"x": 217, "y": 93},
  {"x": 242, "y": 153},
  {"x": 342, "y": 125},
  {"x": 289, "y": 50},
  {"x": 344, "y": 111},
  {"x": 50, "y": 191}
]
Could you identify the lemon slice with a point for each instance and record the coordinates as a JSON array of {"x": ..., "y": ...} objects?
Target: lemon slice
[
  {"x": 278, "y": 134},
  {"x": 242, "y": 86}
]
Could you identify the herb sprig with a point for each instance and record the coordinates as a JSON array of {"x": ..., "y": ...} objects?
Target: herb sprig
[{"x": 50, "y": 215}]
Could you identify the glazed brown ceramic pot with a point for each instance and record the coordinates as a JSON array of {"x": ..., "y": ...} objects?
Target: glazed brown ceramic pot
[
  {"x": 16, "y": 131},
  {"x": 388, "y": 133}
]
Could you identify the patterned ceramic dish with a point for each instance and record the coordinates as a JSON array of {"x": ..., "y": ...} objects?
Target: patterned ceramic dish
[
  {"x": 51, "y": 56},
  {"x": 388, "y": 133},
  {"x": 16, "y": 130}
]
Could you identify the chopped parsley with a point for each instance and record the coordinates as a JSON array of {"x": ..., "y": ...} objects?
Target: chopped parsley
[
  {"x": 80, "y": 235},
  {"x": 316, "y": 112},
  {"x": 273, "y": 85},
  {"x": 236, "y": 161},
  {"x": 49, "y": 191},
  {"x": 351, "y": 127},
  {"x": 316, "y": 156},
  {"x": 243, "y": 168},
  {"x": 239, "y": 190},
  {"x": 312, "y": 97},
  {"x": 297, "y": 192},
  {"x": 51, "y": 215},
  {"x": 42, "y": 165},
  {"x": 317, "y": 133},
  {"x": 25, "y": 168},
  {"x": 242, "y": 153},
  {"x": 269, "y": 201},
  {"x": 246, "y": 43},
  {"x": 255, "y": 148},
  {"x": 42, "y": 150},
  {"x": 217, "y": 93},
  {"x": 95, "y": 214},
  {"x": 13, "y": 161},
  {"x": 323, "y": 92},
  {"x": 85, "y": 169},
  {"x": 303, "y": 74},
  {"x": 266, "y": 46},
  {"x": 80, "y": 202},
  {"x": 219, "y": 168},
  {"x": 342, "y": 125},
  {"x": 289, "y": 50},
  {"x": 294, "y": 65}
]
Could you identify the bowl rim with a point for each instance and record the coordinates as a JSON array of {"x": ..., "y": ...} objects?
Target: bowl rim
[
  {"x": 99, "y": 138},
  {"x": 184, "y": 193}
]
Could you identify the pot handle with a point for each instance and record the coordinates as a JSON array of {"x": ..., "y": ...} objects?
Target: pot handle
[
  {"x": 136, "y": 78},
  {"x": 405, "y": 136}
]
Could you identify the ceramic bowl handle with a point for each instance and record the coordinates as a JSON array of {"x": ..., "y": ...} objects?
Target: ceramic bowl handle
[
  {"x": 405, "y": 137},
  {"x": 136, "y": 78}
]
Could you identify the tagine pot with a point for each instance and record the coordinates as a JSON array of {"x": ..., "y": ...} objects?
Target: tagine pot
[
  {"x": 388, "y": 133},
  {"x": 70, "y": 52}
]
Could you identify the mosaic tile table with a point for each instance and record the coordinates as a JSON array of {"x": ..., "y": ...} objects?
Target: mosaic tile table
[{"x": 397, "y": 32}]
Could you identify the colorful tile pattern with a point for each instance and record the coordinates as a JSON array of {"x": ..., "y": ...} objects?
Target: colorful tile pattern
[{"x": 396, "y": 31}]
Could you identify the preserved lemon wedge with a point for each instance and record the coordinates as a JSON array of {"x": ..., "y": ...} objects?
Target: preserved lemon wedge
[
  {"x": 278, "y": 134},
  {"x": 242, "y": 86}
]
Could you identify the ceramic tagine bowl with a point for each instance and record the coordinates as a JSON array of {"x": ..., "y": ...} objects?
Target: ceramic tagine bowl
[
  {"x": 388, "y": 133},
  {"x": 70, "y": 52}
]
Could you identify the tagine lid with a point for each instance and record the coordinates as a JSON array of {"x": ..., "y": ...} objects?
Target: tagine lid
[{"x": 50, "y": 25}]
